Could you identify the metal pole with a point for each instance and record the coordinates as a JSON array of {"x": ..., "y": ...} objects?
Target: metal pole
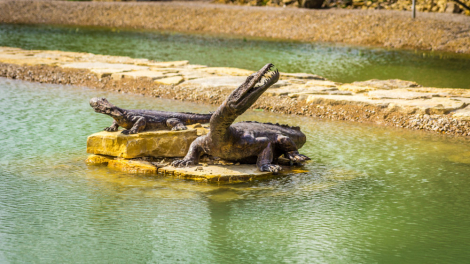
[{"x": 413, "y": 9}]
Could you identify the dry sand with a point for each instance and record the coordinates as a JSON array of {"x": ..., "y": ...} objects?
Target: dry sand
[{"x": 394, "y": 29}]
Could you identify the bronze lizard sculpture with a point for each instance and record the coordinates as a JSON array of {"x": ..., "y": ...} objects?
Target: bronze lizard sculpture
[
  {"x": 135, "y": 121},
  {"x": 247, "y": 142}
]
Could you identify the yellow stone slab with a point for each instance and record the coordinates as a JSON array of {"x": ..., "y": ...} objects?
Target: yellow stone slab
[
  {"x": 151, "y": 143},
  {"x": 217, "y": 173},
  {"x": 208, "y": 173},
  {"x": 141, "y": 167}
]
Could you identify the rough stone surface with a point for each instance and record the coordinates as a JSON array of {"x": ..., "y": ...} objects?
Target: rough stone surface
[
  {"x": 139, "y": 74},
  {"x": 104, "y": 65},
  {"x": 387, "y": 84},
  {"x": 227, "y": 71},
  {"x": 399, "y": 94},
  {"x": 432, "y": 106},
  {"x": 166, "y": 64},
  {"x": 131, "y": 166},
  {"x": 170, "y": 80},
  {"x": 462, "y": 114},
  {"x": 302, "y": 76},
  {"x": 215, "y": 82},
  {"x": 98, "y": 160},
  {"x": 152, "y": 143}
]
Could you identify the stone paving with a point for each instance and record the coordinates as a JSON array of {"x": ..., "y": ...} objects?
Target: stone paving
[{"x": 403, "y": 98}]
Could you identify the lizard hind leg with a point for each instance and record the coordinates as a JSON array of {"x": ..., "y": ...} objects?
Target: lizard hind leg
[
  {"x": 175, "y": 124},
  {"x": 265, "y": 159},
  {"x": 288, "y": 147}
]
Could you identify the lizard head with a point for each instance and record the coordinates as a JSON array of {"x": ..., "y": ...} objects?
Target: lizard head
[
  {"x": 101, "y": 105},
  {"x": 255, "y": 85}
]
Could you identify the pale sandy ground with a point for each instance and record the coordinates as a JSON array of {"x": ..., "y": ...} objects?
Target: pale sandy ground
[{"x": 395, "y": 29}]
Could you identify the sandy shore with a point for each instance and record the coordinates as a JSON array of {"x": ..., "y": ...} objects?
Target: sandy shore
[
  {"x": 390, "y": 102},
  {"x": 394, "y": 29}
]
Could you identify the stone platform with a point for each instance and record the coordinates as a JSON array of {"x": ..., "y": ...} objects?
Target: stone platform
[
  {"x": 215, "y": 173},
  {"x": 152, "y": 152}
]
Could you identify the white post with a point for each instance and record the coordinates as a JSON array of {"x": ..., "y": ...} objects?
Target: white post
[{"x": 413, "y": 9}]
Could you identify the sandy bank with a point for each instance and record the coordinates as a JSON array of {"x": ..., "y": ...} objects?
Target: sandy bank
[
  {"x": 390, "y": 102},
  {"x": 395, "y": 29}
]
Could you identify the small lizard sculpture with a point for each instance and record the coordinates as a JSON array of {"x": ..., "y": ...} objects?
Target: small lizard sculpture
[{"x": 135, "y": 121}]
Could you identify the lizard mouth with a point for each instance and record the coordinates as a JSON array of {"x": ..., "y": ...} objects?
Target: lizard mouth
[
  {"x": 102, "y": 106},
  {"x": 254, "y": 86}
]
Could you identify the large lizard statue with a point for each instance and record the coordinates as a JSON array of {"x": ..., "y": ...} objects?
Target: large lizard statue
[
  {"x": 247, "y": 142},
  {"x": 135, "y": 121}
]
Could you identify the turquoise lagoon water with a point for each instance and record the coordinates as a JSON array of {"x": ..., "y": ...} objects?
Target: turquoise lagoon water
[
  {"x": 336, "y": 62},
  {"x": 371, "y": 194}
]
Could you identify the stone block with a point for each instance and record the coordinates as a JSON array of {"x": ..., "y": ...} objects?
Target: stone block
[
  {"x": 104, "y": 65},
  {"x": 322, "y": 83},
  {"x": 170, "y": 80},
  {"x": 98, "y": 160},
  {"x": 131, "y": 166},
  {"x": 153, "y": 75},
  {"x": 151, "y": 143},
  {"x": 100, "y": 73},
  {"x": 434, "y": 106},
  {"x": 216, "y": 82},
  {"x": 227, "y": 71},
  {"x": 398, "y": 94},
  {"x": 356, "y": 88},
  {"x": 301, "y": 76},
  {"x": 167, "y": 64},
  {"x": 386, "y": 84},
  {"x": 462, "y": 114}
]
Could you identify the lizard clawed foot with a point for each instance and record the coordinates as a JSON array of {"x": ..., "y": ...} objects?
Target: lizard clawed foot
[
  {"x": 128, "y": 132},
  {"x": 296, "y": 157},
  {"x": 179, "y": 127},
  {"x": 275, "y": 169},
  {"x": 183, "y": 163},
  {"x": 111, "y": 129}
]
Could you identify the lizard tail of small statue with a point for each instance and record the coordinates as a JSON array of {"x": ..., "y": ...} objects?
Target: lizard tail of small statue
[{"x": 197, "y": 118}]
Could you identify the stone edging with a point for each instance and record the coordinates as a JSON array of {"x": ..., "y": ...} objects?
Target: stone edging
[{"x": 391, "y": 102}]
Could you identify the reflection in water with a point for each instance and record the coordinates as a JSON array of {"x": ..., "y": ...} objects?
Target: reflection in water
[
  {"x": 336, "y": 62},
  {"x": 371, "y": 194}
]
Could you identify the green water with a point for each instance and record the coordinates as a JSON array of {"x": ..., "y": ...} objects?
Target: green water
[
  {"x": 336, "y": 62},
  {"x": 372, "y": 194}
]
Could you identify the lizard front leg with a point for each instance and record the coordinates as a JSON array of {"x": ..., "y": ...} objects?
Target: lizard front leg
[
  {"x": 192, "y": 157},
  {"x": 114, "y": 127},
  {"x": 139, "y": 125},
  {"x": 175, "y": 124}
]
